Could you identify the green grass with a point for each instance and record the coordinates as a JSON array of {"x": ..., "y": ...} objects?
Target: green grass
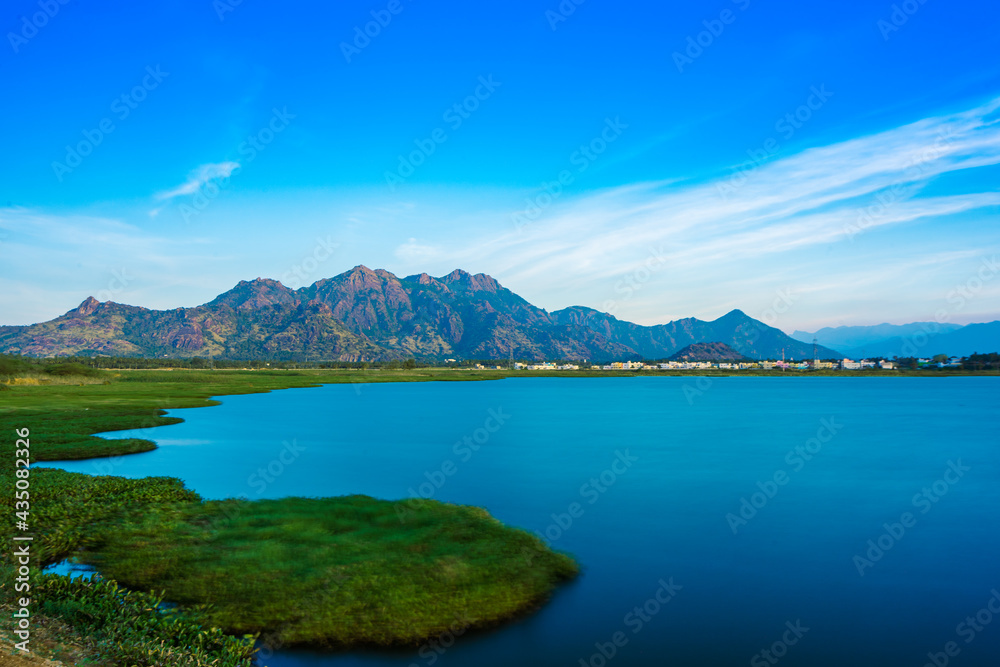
[
  {"x": 341, "y": 571},
  {"x": 71, "y": 512},
  {"x": 132, "y": 628},
  {"x": 336, "y": 571}
]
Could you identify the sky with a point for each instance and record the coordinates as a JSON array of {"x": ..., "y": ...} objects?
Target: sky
[{"x": 811, "y": 164}]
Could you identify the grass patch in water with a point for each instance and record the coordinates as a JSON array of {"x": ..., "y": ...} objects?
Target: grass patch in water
[{"x": 344, "y": 571}]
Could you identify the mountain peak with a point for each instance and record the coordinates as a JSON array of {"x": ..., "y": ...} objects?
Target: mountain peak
[
  {"x": 373, "y": 313},
  {"x": 474, "y": 283},
  {"x": 422, "y": 279},
  {"x": 458, "y": 275},
  {"x": 361, "y": 277},
  {"x": 89, "y": 305},
  {"x": 362, "y": 269},
  {"x": 255, "y": 294},
  {"x": 260, "y": 282}
]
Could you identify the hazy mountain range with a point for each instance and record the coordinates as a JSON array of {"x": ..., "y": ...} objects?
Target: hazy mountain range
[
  {"x": 918, "y": 339},
  {"x": 373, "y": 315}
]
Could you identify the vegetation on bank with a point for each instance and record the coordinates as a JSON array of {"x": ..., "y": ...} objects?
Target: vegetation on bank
[
  {"x": 336, "y": 571},
  {"x": 72, "y": 512},
  {"x": 64, "y": 402},
  {"x": 341, "y": 571}
]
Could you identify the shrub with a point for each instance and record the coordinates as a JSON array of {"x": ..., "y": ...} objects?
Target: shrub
[{"x": 63, "y": 370}]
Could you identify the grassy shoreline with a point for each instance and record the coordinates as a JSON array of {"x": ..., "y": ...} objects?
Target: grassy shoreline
[
  {"x": 375, "y": 577},
  {"x": 81, "y": 514},
  {"x": 65, "y": 415}
]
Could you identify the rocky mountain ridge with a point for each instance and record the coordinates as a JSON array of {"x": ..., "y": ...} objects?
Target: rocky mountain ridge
[{"x": 366, "y": 314}]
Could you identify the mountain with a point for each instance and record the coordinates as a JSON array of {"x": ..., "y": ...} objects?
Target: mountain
[
  {"x": 847, "y": 338},
  {"x": 736, "y": 329},
  {"x": 928, "y": 342},
  {"x": 253, "y": 320},
  {"x": 374, "y": 315},
  {"x": 708, "y": 352}
]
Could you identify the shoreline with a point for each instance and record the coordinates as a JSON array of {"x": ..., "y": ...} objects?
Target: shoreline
[{"x": 120, "y": 515}]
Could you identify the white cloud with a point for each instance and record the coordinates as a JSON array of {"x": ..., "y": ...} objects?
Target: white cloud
[
  {"x": 197, "y": 178},
  {"x": 793, "y": 224},
  {"x": 717, "y": 231},
  {"x": 415, "y": 252}
]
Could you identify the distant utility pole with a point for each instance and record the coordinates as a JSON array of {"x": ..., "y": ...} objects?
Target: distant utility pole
[{"x": 815, "y": 354}]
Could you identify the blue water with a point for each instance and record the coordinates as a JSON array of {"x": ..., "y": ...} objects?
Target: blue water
[{"x": 695, "y": 451}]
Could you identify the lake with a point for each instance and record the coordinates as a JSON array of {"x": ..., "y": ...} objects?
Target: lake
[{"x": 731, "y": 521}]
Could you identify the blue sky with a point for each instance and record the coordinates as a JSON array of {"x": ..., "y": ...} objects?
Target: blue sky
[{"x": 814, "y": 165}]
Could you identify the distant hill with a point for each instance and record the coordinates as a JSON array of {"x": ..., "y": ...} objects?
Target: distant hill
[
  {"x": 708, "y": 352},
  {"x": 960, "y": 342},
  {"x": 848, "y": 338},
  {"x": 374, "y": 315},
  {"x": 736, "y": 329}
]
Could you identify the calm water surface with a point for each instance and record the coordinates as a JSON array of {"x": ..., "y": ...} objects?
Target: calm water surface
[{"x": 870, "y": 450}]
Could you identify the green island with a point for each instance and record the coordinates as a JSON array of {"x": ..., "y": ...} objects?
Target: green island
[{"x": 337, "y": 572}]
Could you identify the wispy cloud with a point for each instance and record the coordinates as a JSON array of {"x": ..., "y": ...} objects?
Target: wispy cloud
[
  {"x": 809, "y": 203},
  {"x": 414, "y": 251},
  {"x": 875, "y": 228},
  {"x": 197, "y": 178}
]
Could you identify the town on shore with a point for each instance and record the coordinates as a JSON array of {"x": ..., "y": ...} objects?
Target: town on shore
[{"x": 815, "y": 364}]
